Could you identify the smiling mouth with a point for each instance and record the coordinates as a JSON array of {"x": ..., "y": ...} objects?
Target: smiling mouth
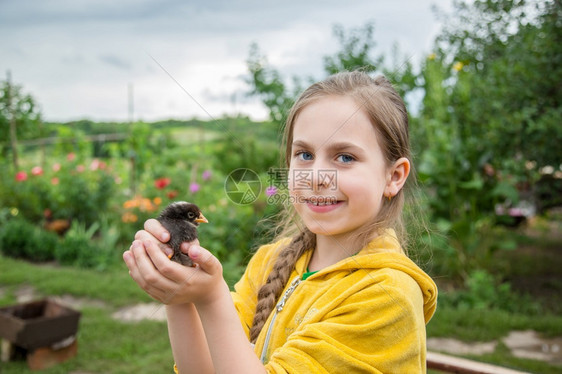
[{"x": 322, "y": 201}]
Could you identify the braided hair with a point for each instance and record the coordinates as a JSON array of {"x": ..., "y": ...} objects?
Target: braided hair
[{"x": 278, "y": 277}]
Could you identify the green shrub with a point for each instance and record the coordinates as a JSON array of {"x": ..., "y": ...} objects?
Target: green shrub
[
  {"x": 80, "y": 248},
  {"x": 482, "y": 292},
  {"x": 77, "y": 246},
  {"x": 21, "y": 239}
]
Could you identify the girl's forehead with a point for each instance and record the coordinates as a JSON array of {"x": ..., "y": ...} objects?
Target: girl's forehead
[{"x": 334, "y": 119}]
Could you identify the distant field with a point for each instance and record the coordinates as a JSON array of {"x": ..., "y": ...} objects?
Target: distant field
[{"x": 190, "y": 135}]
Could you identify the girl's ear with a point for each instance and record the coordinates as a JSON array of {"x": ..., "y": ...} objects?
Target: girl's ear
[{"x": 397, "y": 176}]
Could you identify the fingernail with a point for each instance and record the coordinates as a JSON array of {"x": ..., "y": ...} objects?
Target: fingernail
[
  {"x": 194, "y": 251},
  {"x": 165, "y": 236}
]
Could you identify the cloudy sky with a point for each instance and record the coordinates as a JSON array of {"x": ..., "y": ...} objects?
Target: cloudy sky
[{"x": 79, "y": 58}]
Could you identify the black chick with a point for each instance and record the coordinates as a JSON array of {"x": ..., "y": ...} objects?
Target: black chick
[{"x": 181, "y": 220}]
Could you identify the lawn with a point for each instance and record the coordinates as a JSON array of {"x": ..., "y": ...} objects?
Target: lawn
[{"x": 107, "y": 345}]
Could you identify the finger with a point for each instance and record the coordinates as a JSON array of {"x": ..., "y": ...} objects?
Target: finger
[
  {"x": 205, "y": 259},
  {"x": 155, "y": 228},
  {"x": 144, "y": 235},
  {"x": 134, "y": 272},
  {"x": 184, "y": 247},
  {"x": 145, "y": 273},
  {"x": 173, "y": 271}
]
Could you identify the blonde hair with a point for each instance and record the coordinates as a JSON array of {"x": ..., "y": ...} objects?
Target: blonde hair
[{"x": 388, "y": 115}]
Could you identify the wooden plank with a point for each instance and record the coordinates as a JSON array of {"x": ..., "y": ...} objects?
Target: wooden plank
[{"x": 451, "y": 364}]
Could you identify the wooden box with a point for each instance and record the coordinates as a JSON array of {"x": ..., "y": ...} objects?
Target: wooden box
[{"x": 37, "y": 324}]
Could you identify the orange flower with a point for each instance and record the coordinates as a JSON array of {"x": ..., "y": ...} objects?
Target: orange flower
[
  {"x": 142, "y": 203},
  {"x": 129, "y": 217},
  {"x": 146, "y": 205},
  {"x": 130, "y": 204},
  {"x": 157, "y": 200}
]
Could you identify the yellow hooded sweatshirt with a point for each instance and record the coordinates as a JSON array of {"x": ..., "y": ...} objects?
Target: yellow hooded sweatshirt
[{"x": 364, "y": 314}]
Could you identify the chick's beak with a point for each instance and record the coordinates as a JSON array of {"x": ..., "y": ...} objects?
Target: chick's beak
[{"x": 201, "y": 219}]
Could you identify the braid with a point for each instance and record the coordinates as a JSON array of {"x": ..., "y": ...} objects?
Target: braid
[{"x": 278, "y": 277}]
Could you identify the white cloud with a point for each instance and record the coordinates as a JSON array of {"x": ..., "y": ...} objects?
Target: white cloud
[{"x": 78, "y": 58}]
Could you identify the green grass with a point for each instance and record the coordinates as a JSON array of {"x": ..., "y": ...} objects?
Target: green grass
[
  {"x": 109, "y": 346},
  {"x": 104, "y": 344},
  {"x": 114, "y": 285},
  {"x": 489, "y": 324}
]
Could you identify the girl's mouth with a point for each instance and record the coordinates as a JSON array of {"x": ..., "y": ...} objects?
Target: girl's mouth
[{"x": 322, "y": 204}]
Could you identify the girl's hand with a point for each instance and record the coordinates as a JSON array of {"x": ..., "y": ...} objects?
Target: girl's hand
[
  {"x": 153, "y": 230},
  {"x": 170, "y": 282}
]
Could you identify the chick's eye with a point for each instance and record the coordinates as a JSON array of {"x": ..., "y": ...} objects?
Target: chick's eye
[
  {"x": 190, "y": 215},
  {"x": 304, "y": 155},
  {"x": 345, "y": 158}
]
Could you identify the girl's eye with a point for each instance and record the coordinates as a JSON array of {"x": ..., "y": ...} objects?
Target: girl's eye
[
  {"x": 304, "y": 156},
  {"x": 345, "y": 158}
]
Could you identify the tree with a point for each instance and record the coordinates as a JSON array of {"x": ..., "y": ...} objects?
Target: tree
[
  {"x": 509, "y": 90},
  {"x": 267, "y": 83},
  {"x": 19, "y": 118},
  {"x": 357, "y": 47},
  {"x": 490, "y": 121}
]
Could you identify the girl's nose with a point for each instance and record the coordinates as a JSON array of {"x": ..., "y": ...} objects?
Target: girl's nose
[
  {"x": 324, "y": 176},
  {"x": 325, "y": 179},
  {"x": 316, "y": 176}
]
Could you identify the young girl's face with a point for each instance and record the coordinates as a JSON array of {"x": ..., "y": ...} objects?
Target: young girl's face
[{"x": 338, "y": 174}]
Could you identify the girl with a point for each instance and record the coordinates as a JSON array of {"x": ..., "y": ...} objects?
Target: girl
[{"x": 337, "y": 292}]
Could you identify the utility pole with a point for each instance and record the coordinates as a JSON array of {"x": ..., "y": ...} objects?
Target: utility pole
[
  {"x": 12, "y": 115},
  {"x": 132, "y": 152},
  {"x": 131, "y": 104}
]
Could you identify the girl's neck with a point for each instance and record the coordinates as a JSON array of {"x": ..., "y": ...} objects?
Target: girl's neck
[{"x": 330, "y": 250}]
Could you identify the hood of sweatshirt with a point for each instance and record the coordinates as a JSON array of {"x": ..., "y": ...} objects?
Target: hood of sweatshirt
[
  {"x": 366, "y": 313},
  {"x": 383, "y": 252}
]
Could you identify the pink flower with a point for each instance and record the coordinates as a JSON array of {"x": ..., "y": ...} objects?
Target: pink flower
[
  {"x": 21, "y": 176},
  {"x": 95, "y": 165},
  {"x": 162, "y": 183},
  {"x": 271, "y": 190},
  {"x": 71, "y": 156},
  {"x": 56, "y": 167},
  {"x": 54, "y": 181},
  {"x": 206, "y": 175},
  {"x": 194, "y": 187},
  {"x": 80, "y": 168},
  {"x": 37, "y": 170}
]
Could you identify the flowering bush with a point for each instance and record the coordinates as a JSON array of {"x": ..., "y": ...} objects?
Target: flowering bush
[{"x": 67, "y": 190}]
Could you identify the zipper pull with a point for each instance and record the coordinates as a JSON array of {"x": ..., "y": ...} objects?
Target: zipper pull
[{"x": 288, "y": 293}]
